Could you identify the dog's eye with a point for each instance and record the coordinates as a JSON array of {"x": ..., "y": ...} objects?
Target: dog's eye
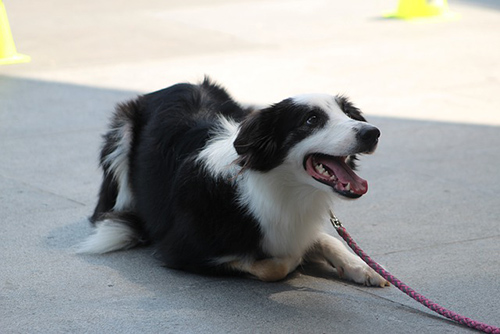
[{"x": 312, "y": 120}]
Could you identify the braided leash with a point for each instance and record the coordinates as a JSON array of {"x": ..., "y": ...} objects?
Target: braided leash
[{"x": 405, "y": 288}]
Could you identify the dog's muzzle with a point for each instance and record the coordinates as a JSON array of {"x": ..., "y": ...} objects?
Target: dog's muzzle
[{"x": 367, "y": 137}]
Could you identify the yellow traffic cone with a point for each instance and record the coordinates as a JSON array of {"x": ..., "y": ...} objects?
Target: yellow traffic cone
[
  {"x": 413, "y": 9},
  {"x": 8, "y": 53}
]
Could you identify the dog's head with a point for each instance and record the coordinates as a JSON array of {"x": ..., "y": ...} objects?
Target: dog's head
[{"x": 318, "y": 135}]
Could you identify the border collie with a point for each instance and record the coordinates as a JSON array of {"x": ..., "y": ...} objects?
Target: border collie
[{"x": 219, "y": 187}]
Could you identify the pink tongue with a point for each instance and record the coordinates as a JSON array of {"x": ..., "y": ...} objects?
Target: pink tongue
[{"x": 344, "y": 174}]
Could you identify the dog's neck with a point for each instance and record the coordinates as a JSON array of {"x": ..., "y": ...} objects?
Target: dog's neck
[{"x": 290, "y": 213}]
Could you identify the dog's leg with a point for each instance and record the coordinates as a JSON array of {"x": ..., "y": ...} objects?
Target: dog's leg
[
  {"x": 348, "y": 265},
  {"x": 268, "y": 270}
]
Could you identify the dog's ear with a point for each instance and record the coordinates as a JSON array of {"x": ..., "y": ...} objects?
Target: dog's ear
[
  {"x": 349, "y": 108},
  {"x": 353, "y": 112},
  {"x": 257, "y": 142}
]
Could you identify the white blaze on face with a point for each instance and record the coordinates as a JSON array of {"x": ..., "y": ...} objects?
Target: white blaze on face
[
  {"x": 320, "y": 159},
  {"x": 323, "y": 101},
  {"x": 336, "y": 138}
]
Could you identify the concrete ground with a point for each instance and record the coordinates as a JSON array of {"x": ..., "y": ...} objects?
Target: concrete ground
[{"x": 432, "y": 215}]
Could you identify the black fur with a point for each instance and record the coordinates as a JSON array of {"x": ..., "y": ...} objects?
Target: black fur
[
  {"x": 349, "y": 108},
  {"x": 167, "y": 130},
  {"x": 265, "y": 137},
  {"x": 171, "y": 126}
]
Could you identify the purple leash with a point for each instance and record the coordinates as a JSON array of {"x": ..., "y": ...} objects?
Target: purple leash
[{"x": 405, "y": 288}]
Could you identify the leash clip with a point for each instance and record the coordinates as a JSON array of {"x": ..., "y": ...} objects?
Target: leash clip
[{"x": 335, "y": 221}]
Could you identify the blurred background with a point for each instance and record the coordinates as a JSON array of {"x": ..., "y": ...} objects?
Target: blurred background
[{"x": 441, "y": 68}]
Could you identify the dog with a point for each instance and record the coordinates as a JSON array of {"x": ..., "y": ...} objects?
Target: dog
[{"x": 216, "y": 186}]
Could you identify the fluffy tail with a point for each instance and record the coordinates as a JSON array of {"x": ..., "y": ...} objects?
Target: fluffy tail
[
  {"x": 116, "y": 225},
  {"x": 115, "y": 231},
  {"x": 116, "y": 194}
]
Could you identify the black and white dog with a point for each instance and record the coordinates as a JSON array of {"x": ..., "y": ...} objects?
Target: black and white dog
[{"x": 216, "y": 186}]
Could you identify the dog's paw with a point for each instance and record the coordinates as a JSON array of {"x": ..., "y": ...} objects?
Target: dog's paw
[
  {"x": 359, "y": 272},
  {"x": 348, "y": 265}
]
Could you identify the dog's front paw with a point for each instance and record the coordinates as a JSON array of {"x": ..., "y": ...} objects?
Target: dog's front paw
[
  {"x": 348, "y": 265},
  {"x": 359, "y": 272}
]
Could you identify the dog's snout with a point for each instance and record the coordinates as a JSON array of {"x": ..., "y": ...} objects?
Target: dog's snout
[
  {"x": 369, "y": 135},
  {"x": 368, "y": 138}
]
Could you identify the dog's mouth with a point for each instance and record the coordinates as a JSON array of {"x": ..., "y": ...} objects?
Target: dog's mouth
[{"x": 334, "y": 172}]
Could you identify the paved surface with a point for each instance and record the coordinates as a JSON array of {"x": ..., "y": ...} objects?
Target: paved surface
[{"x": 432, "y": 215}]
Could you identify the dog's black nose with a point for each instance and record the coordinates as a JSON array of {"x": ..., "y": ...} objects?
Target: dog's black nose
[{"x": 368, "y": 135}]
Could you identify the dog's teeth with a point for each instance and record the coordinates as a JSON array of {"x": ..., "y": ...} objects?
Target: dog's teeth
[
  {"x": 320, "y": 169},
  {"x": 348, "y": 187}
]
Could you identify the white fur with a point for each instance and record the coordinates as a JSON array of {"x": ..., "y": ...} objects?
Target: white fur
[
  {"x": 280, "y": 201},
  {"x": 347, "y": 264},
  {"x": 118, "y": 162},
  {"x": 290, "y": 206},
  {"x": 219, "y": 153},
  {"x": 325, "y": 102},
  {"x": 290, "y": 213},
  {"x": 109, "y": 236},
  {"x": 337, "y": 138}
]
